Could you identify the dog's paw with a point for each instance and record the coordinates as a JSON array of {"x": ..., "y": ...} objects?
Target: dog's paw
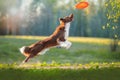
[{"x": 68, "y": 45}]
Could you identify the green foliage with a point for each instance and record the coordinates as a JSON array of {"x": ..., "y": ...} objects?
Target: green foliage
[
  {"x": 113, "y": 22},
  {"x": 113, "y": 16}
]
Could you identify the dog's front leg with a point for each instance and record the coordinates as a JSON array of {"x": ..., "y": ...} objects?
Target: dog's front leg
[
  {"x": 66, "y": 44},
  {"x": 27, "y": 58}
]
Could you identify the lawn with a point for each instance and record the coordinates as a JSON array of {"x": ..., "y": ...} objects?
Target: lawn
[
  {"x": 60, "y": 74},
  {"x": 83, "y": 50},
  {"x": 87, "y": 59}
]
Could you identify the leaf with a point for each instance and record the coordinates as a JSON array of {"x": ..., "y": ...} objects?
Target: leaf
[
  {"x": 113, "y": 28},
  {"x": 116, "y": 36},
  {"x": 108, "y": 24},
  {"x": 103, "y": 27}
]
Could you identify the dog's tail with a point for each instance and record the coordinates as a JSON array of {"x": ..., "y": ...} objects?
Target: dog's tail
[{"x": 25, "y": 51}]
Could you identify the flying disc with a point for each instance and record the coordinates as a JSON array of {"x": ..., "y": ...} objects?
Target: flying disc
[{"x": 81, "y": 5}]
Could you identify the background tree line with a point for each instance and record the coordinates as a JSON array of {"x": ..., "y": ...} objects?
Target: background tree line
[{"x": 41, "y": 17}]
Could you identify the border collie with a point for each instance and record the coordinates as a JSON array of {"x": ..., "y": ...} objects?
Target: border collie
[{"x": 58, "y": 38}]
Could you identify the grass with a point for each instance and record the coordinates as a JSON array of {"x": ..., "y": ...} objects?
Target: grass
[
  {"x": 80, "y": 52},
  {"x": 91, "y": 71},
  {"x": 111, "y": 73},
  {"x": 87, "y": 59}
]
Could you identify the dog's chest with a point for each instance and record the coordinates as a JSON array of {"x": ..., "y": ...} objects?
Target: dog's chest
[{"x": 67, "y": 27}]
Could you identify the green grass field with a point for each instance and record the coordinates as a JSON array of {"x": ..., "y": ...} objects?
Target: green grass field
[
  {"x": 60, "y": 74},
  {"x": 87, "y": 59}
]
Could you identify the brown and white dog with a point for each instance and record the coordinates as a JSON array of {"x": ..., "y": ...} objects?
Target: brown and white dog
[{"x": 58, "y": 38}]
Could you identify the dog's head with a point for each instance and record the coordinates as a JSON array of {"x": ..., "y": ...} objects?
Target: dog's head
[{"x": 66, "y": 19}]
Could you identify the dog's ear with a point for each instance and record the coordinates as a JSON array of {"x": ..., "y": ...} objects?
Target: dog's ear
[{"x": 71, "y": 15}]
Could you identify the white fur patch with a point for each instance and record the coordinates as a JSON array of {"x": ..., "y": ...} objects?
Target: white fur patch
[
  {"x": 22, "y": 49},
  {"x": 66, "y": 44},
  {"x": 67, "y": 27},
  {"x": 43, "y": 51}
]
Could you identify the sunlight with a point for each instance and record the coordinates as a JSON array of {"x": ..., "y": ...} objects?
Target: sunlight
[
  {"x": 104, "y": 41},
  {"x": 22, "y": 14},
  {"x": 13, "y": 11},
  {"x": 25, "y": 4},
  {"x": 67, "y": 1},
  {"x": 62, "y": 2},
  {"x": 39, "y": 8}
]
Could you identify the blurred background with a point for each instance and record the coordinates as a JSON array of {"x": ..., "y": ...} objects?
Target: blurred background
[
  {"x": 40, "y": 17},
  {"x": 96, "y": 27}
]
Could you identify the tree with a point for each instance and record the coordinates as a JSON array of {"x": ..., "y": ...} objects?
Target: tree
[
  {"x": 9, "y": 16},
  {"x": 113, "y": 22}
]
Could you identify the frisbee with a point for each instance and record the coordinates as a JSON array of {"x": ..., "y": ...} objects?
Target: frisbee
[{"x": 81, "y": 5}]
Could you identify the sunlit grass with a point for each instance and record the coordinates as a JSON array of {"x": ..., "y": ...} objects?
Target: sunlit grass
[
  {"x": 73, "y": 39},
  {"x": 53, "y": 64},
  {"x": 90, "y": 40},
  {"x": 105, "y": 73}
]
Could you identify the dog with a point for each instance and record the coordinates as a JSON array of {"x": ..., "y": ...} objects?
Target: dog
[{"x": 58, "y": 38}]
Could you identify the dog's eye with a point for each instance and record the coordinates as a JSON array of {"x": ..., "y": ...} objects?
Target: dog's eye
[
  {"x": 61, "y": 19},
  {"x": 62, "y": 28}
]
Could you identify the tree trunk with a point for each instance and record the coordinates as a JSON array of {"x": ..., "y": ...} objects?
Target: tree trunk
[{"x": 114, "y": 45}]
